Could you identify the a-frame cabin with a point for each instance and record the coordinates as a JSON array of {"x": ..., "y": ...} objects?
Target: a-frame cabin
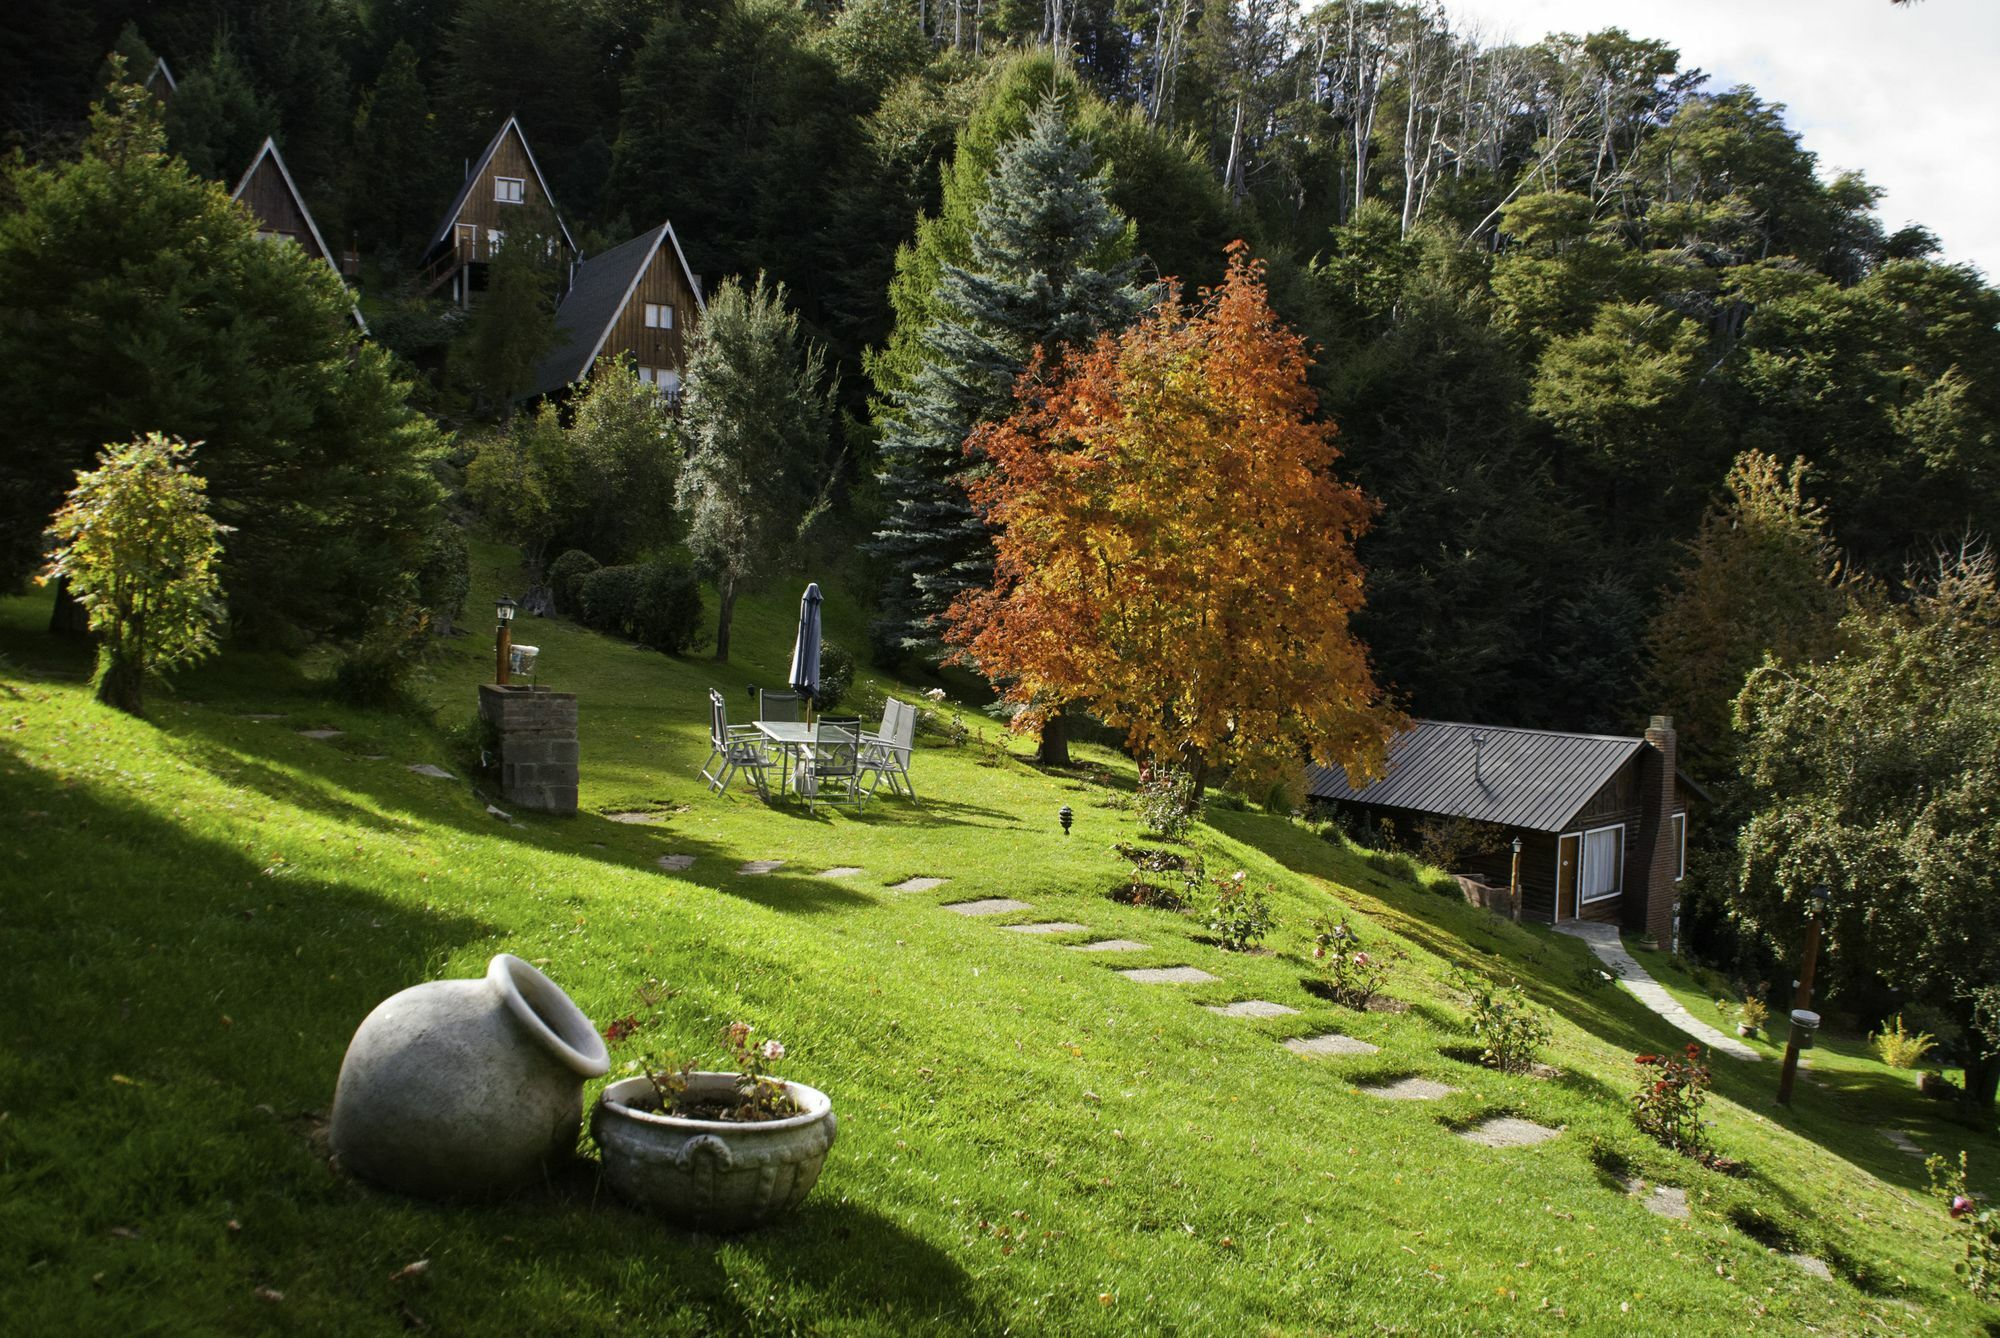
[
  {"x": 504, "y": 184},
  {"x": 638, "y": 300},
  {"x": 160, "y": 82},
  {"x": 270, "y": 194}
]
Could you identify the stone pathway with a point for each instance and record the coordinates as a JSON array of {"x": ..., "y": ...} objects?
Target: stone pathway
[
  {"x": 918, "y": 884},
  {"x": 1050, "y": 927},
  {"x": 756, "y": 866},
  {"x": 675, "y": 863},
  {"x": 1664, "y": 1200},
  {"x": 1332, "y": 1043},
  {"x": 1169, "y": 975},
  {"x": 1408, "y": 1089},
  {"x": 1252, "y": 1008},
  {"x": 1603, "y": 940},
  {"x": 840, "y": 871},
  {"x": 323, "y": 734},
  {"x": 1109, "y": 945},
  {"x": 435, "y": 773},
  {"x": 988, "y": 906},
  {"x": 1505, "y": 1131}
]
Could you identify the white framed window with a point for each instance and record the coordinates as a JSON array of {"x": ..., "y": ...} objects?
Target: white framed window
[
  {"x": 508, "y": 190},
  {"x": 659, "y": 316},
  {"x": 663, "y": 379},
  {"x": 1677, "y": 832},
  {"x": 1603, "y": 871},
  {"x": 494, "y": 237}
]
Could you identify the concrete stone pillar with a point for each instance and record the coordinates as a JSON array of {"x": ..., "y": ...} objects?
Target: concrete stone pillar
[{"x": 536, "y": 731}]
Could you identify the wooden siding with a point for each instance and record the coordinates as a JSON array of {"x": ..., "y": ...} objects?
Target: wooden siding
[
  {"x": 482, "y": 211},
  {"x": 277, "y": 211},
  {"x": 663, "y": 283}
]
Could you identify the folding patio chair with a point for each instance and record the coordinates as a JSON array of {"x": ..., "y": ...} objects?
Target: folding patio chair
[
  {"x": 735, "y": 748},
  {"x": 830, "y": 769},
  {"x": 887, "y": 754}
]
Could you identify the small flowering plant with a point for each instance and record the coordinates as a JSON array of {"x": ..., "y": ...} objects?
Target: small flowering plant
[
  {"x": 758, "y": 1095},
  {"x": 1353, "y": 974},
  {"x": 1667, "y": 1106},
  {"x": 1239, "y": 914},
  {"x": 1976, "y": 1222}
]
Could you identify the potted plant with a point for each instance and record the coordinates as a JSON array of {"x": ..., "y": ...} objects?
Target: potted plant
[
  {"x": 1751, "y": 1016},
  {"x": 717, "y": 1151}
]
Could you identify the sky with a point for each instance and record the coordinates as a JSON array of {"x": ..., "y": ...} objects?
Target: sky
[{"x": 1908, "y": 95}]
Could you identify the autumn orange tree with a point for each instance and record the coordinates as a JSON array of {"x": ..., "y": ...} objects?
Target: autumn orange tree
[{"x": 1173, "y": 551}]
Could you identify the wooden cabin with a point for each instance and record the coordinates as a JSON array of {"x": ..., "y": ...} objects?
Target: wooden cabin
[
  {"x": 639, "y": 300},
  {"x": 1601, "y": 819},
  {"x": 160, "y": 82},
  {"x": 270, "y": 194},
  {"x": 502, "y": 186}
]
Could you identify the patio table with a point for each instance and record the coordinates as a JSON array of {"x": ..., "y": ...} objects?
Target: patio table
[{"x": 791, "y": 738}]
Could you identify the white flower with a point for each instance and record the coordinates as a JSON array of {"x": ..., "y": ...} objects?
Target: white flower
[
  {"x": 1236, "y": 877},
  {"x": 935, "y": 694},
  {"x": 774, "y": 1050}
]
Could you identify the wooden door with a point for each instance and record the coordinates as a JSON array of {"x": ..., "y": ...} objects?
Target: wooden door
[{"x": 1568, "y": 851}]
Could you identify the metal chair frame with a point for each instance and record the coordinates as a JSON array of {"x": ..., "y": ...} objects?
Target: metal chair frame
[{"x": 735, "y": 747}]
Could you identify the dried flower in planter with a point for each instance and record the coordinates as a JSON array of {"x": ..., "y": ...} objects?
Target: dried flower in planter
[{"x": 759, "y": 1096}]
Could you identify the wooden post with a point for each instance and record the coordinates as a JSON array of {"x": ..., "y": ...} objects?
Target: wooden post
[
  {"x": 503, "y": 652},
  {"x": 1801, "y": 999},
  {"x": 1514, "y": 882}
]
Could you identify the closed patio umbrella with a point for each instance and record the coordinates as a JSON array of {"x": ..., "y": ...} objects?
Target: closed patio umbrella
[{"x": 805, "y": 651}]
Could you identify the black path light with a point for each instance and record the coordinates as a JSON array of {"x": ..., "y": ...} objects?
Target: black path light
[
  {"x": 1065, "y": 816},
  {"x": 503, "y": 637}
]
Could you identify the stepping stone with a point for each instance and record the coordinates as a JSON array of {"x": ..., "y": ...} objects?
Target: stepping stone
[
  {"x": 1409, "y": 1089},
  {"x": 761, "y": 866},
  {"x": 501, "y": 814},
  {"x": 435, "y": 773},
  {"x": 840, "y": 871},
  {"x": 323, "y": 734},
  {"x": 1251, "y": 1008},
  {"x": 1332, "y": 1043},
  {"x": 1168, "y": 975},
  {"x": 917, "y": 884},
  {"x": 988, "y": 906},
  {"x": 1109, "y": 945},
  {"x": 1050, "y": 927},
  {"x": 675, "y": 863},
  {"x": 637, "y": 818},
  {"x": 375, "y": 757},
  {"x": 261, "y": 716},
  {"x": 1505, "y": 1131},
  {"x": 1665, "y": 1200},
  {"x": 1816, "y": 1267},
  {"x": 1902, "y": 1142}
]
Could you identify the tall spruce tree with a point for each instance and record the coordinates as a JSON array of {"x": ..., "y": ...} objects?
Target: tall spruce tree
[{"x": 1050, "y": 268}]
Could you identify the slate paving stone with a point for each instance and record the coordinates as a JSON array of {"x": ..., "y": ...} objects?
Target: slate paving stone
[
  {"x": 1168, "y": 975},
  {"x": 261, "y": 716},
  {"x": 1408, "y": 1089},
  {"x": 1110, "y": 945},
  {"x": 499, "y": 813},
  {"x": 761, "y": 866},
  {"x": 1050, "y": 927},
  {"x": 1816, "y": 1267},
  {"x": 840, "y": 871},
  {"x": 918, "y": 884},
  {"x": 1664, "y": 1200},
  {"x": 1332, "y": 1043},
  {"x": 675, "y": 863},
  {"x": 636, "y": 818},
  {"x": 323, "y": 734},
  {"x": 1902, "y": 1142},
  {"x": 1505, "y": 1131},
  {"x": 435, "y": 773},
  {"x": 1251, "y": 1008},
  {"x": 987, "y": 906}
]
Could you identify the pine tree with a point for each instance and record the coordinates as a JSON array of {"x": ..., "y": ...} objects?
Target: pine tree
[
  {"x": 1050, "y": 268},
  {"x": 396, "y": 178}
]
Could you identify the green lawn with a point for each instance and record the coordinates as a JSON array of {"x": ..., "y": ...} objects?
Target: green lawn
[{"x": 199, "y": 908}]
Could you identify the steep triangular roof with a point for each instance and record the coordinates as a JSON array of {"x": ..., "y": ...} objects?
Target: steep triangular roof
[
  {"x": 479, "y": 168},
  {"x": 160, "y": 71},
  {"x": 601, "y": 289},
  {"x": 270, "y": 150}
]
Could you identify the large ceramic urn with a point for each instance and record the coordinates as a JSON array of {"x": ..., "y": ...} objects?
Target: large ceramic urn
[{"x": 466, "y": 1089}]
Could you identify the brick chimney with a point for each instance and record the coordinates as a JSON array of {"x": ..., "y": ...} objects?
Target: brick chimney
[{"x": 1658, "y": 855}]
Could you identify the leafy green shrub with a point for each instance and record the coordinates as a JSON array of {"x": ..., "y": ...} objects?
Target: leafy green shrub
[
  {"x": 1510, "y": 1029},
  {"x": 1979, "y": 1223},
  {"x": 1667, "y": 1106},
  {"x": 1753, "y": 1012},
  {"x": 1901, "y": 1049},
  {"x": 444, "y": 576},
  {"x": 667, "y": 612},
  {"x": 1237, "y": 913},
  {"x": 1351, "y": 975},
  {"x": 566, "y": 575},
  {"x": 608, "y": 598},
  {"x": 375, "y": 671},
  {"x": 836, "y": 674},
  {"x": 1166, "y": 802}
]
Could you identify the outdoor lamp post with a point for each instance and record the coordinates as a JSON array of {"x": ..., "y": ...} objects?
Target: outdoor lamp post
[
  {"x": 1065, "y": 817},
  {"x": 1514, "y": 882},
  {"x": 1804, "y": 1021},
  {"x": 503, "y": 637}
]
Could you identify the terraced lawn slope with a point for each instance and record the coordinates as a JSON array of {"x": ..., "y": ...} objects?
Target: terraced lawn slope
[{"x": 198, "y": 909}]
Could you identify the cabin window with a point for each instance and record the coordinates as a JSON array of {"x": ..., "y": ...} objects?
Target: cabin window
[
  {"x": 494, "y": 237},
  {"x": 1603, "y": 864},
  {"x": 1677, "y": 832},
  {"x": 663, "y": 379},
  {"x": 508, "y": 190},
  {"x": 659, "y": 316}
]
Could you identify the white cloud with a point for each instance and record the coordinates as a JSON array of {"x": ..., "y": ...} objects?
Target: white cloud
[{"x": 1909, "y": 96}]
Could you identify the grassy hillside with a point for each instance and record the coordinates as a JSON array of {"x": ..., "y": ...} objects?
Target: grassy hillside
[{"x": 198, "y": 909}]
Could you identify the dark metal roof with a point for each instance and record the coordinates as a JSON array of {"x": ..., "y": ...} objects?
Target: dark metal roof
[
  {"x": 599, "y": 291},
  {"x": 1529, "y": 778}
]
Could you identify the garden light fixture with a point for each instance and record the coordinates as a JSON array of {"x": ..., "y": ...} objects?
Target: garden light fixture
[
  {"x": 1065, "y": 816},
  {"x": 503, "y": 638}
]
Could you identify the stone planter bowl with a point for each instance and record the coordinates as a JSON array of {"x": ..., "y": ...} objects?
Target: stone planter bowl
[{"x": 710, "y": 1175}]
